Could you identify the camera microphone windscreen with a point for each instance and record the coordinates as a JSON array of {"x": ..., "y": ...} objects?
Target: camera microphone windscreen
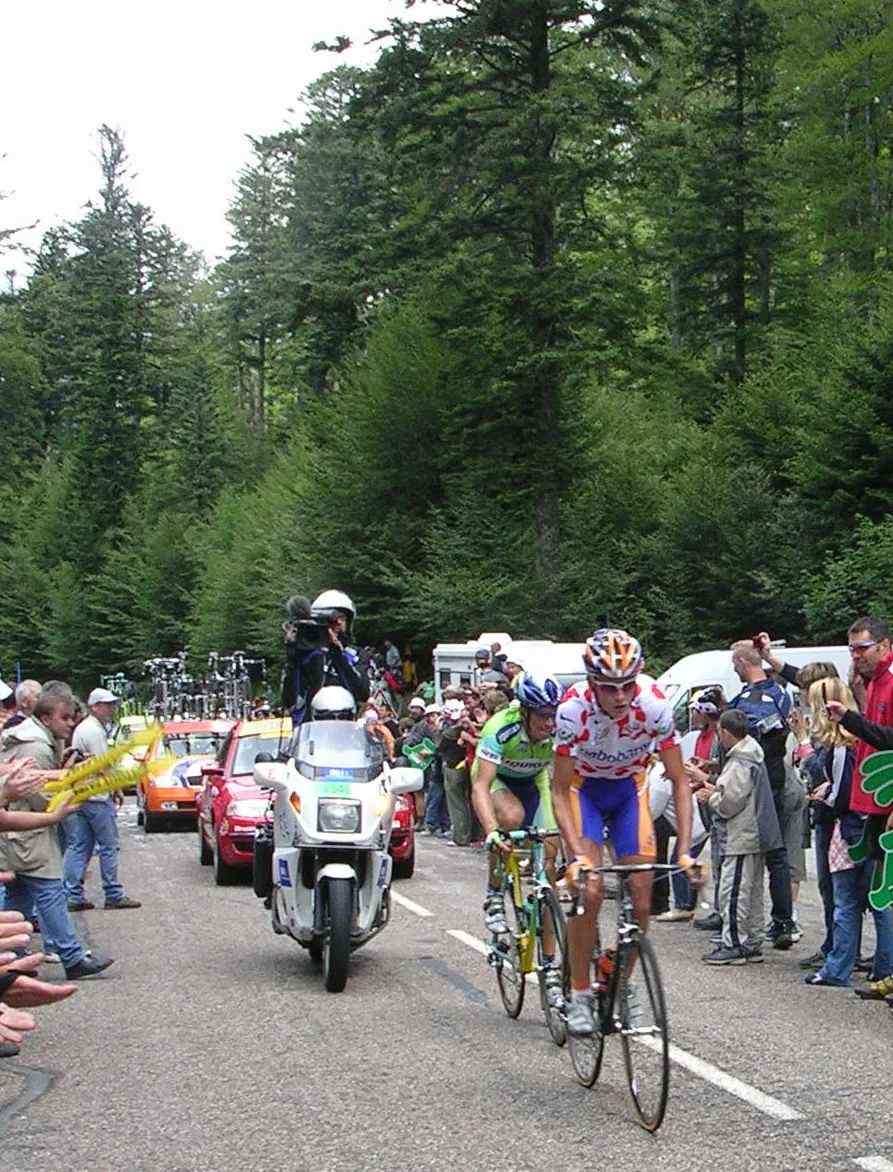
[{"x": 298, "y": 607}]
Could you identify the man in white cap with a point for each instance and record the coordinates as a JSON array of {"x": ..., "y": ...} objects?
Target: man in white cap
[
  {"x": 416, "y": 708},
  {"x": 94, "y": 822}
]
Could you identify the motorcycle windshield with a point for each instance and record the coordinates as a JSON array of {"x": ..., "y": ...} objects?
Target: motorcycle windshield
[{"x": 337, "y": 749}]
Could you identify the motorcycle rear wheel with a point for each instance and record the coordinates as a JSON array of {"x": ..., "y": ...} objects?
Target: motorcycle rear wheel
[{"x": 336, "y": 947}]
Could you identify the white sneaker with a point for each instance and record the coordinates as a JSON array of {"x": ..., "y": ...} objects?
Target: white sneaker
[
  {"x": 676, "y": 915},
  {"x": 494, "y": 915},
  {"x": 580, "y": 1020}
]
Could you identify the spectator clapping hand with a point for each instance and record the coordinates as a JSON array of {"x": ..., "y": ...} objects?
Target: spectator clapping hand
[
  {"x": 20, "y": 782},
  {"x": 27, "y": 992},
  {"x": 13, "y": 1023}
]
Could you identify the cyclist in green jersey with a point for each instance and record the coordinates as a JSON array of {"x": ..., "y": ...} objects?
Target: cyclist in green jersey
[{"x": 510, "y": 788}]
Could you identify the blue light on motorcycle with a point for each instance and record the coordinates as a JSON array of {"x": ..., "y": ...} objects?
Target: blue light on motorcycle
[{"x": 338, "y": 817}]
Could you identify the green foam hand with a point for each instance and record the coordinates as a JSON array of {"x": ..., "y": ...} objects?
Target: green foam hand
[
  {"x": 881, "y": 895},
  {"x": 858, "y": 852},
  {"x": 877, "y": 777}
]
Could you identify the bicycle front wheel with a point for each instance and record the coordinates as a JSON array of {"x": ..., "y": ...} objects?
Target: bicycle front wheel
[
  {"x": 551, "y": 923},
  {"x": 644, "y": 1033},
  {"x": 509, "y": 951}
]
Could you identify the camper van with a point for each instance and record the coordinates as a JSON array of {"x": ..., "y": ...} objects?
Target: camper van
[
  {"x": 693, "y": 673},
  {"x": 454, "y": 662}
]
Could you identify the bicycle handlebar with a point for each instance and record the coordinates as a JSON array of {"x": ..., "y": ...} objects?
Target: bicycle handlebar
[{"x": 530, "y": 832}]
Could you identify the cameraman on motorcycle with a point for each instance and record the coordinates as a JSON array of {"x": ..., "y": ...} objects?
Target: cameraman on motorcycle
[{"x": 315, "y": 655}]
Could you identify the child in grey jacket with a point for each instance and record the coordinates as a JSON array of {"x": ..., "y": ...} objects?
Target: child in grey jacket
[{"x": 742, "y": 796}]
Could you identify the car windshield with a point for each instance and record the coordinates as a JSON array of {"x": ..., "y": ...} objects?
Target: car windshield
[
  {"x": 338, "y": 749},
  {"x": 248, "y": 748},
  {"x": 191, "y": 744}
]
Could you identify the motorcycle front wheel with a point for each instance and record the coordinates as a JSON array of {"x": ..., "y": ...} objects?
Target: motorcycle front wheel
[{"x": 336, "y": 947}]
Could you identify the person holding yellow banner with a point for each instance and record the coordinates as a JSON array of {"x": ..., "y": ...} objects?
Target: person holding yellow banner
[
  {"x": 94, "y": 821},
  {"x": 34, "y": 856}
]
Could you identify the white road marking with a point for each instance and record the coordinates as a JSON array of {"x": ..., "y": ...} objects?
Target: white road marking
[
  {"x": 702, "y": 1069},
  {"x": 728, "y": 1083},
  {"x": 874, "y": 1164},
  {"x": 415, "y": 908},
  {"x": 467, "y": 938}
]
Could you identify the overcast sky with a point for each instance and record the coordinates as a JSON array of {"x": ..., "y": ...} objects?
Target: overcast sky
[{"x": 185, "y": 80}]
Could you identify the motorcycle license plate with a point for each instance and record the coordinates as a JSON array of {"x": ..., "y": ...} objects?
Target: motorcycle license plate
[{"x": 335, "y": 789}]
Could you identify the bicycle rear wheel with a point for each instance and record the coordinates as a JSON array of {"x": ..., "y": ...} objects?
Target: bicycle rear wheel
[
  {"x": 586, "y": 1052},
  {"x": 551, "y": 916},
  {"x": 509, "y": 948},
  {"x": 644, "y": 1033}
]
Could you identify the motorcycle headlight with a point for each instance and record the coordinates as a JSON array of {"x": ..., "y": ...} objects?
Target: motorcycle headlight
[{"x": 338, "y": 817}]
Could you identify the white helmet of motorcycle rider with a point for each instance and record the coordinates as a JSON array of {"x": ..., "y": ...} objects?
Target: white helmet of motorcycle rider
[
  {"x": 333, "y": 703},
  {"x": 337, "y": 600}
]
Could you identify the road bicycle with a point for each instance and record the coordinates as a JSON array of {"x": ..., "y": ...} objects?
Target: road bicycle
[
  {"x": 632, "y": 1007},
  {"x": 521, "y": 951}
]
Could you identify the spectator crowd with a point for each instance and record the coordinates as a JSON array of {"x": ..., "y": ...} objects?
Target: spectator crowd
[{"x": 44, "y": 855}]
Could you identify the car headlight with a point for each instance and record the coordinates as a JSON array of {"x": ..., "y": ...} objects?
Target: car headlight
[
  {"x": 338, "y": 817},
  {"x": 247, "y": 808}
]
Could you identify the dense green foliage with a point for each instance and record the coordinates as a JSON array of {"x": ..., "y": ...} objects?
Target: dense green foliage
[{"x": 562, "y": 312}]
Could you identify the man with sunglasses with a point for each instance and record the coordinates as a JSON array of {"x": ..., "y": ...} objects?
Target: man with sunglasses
[{"x": 606, "y": 730}]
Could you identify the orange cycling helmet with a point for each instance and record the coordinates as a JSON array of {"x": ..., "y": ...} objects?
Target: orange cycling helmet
[{"x": 612, "y": 655}]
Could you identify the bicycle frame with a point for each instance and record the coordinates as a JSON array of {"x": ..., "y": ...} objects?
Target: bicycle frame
[{"x": 528, "y": 906}]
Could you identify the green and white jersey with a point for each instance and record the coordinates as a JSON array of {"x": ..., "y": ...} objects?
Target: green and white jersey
[{"x": 504, "y": 742}]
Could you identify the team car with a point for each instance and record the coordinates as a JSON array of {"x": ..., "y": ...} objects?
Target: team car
[{"x": 170, "y": 796}]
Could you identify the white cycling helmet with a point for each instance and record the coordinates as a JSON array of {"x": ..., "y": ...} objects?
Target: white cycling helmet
[
  {"x": 333, "y": 600},
  {"x": 333, "y": 703}
]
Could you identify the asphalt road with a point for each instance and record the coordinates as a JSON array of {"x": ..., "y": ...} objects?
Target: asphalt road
[{"x": 211, "y": 1044}]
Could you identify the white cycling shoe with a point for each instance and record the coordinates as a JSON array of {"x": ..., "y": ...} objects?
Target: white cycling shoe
[{"x": 580, "y": 1019}]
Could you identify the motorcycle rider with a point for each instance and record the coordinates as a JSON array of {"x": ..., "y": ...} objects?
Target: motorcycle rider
[
  {"x": 333, "y": 703},
  {"x": 315, "y": 655}
]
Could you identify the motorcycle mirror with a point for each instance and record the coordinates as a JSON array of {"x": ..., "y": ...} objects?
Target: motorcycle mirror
[
  {"x": 271, "y": 775},
  {"x": 403, "y": 780}
]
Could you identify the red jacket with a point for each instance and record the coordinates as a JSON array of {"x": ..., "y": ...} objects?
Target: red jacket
[{"x": 879, "y": 708}]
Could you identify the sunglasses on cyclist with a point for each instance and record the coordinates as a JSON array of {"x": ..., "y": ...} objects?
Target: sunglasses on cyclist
[
  {"x": 864, "y": 645},
  {"x": 544, "y": 713},
  {"x": 625, "y": 688}
]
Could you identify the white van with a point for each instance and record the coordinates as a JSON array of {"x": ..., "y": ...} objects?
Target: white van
[
  {"x": 695, "y": 672},
  {"x": 454, "y": 662}
]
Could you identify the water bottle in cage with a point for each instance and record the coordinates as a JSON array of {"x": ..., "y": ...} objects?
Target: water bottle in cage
[{"x": 604, "y": 967}]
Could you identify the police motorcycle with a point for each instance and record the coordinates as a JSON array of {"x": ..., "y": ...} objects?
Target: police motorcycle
[{"x": 322, "y": 866}]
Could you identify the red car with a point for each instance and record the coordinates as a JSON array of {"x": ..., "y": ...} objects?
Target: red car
[
  {"x": 229, "y": 804},
  {"x": 402, "y": 845}
]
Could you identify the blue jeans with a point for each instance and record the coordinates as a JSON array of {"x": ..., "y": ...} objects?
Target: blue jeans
[
  {"x": 850, "y": 888},
  {"x": 48, "y": 895},
  {"x": 823, "y": 833},
  {"x": 683, "y": 893},
  {"x": 436, "y": 816},
  {"x": 92, "y": 824}
]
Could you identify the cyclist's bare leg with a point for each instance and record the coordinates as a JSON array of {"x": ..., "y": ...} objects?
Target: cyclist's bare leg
[
  {"x": 582, "y": 931},
  {"x": 510, "y": 816}
]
